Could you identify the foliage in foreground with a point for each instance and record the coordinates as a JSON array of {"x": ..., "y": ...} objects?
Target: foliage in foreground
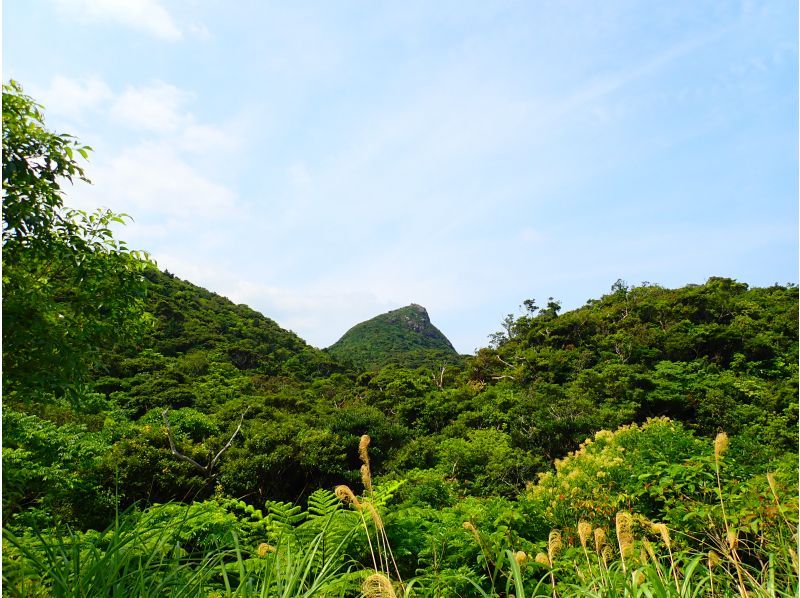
[{"x": 342, "y": 544}]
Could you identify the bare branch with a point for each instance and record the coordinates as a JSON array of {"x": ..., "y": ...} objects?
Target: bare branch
[
  {"x": 174, "y": 450},
  {"x": 503, "y": 361},
  {"x": 440, "y": 381},
  {"x": 206, "y": 469},
  {"x": 227, "y": 444}
]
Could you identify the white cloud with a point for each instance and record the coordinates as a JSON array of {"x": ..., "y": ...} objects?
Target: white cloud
[
  {"x": 73, "y": 98},
  {"x": 153, "y": 179},
  {"x": 204, "y": 138},
  {"x": 160, "y": 108},
  {"x": 145, "y": 15},
  {"x": 160, "y": 177},
  {"x": 157, "y": 107}
]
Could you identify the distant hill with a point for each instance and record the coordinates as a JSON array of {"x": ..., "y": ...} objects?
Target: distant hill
[
  {"x": 190, "y": 318},
  {"x": 402, "y": 337},
  {"x": 194, "y": 334}
]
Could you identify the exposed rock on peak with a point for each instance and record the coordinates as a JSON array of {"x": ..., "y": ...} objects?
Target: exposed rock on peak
[{"x": 404, "y": 336}]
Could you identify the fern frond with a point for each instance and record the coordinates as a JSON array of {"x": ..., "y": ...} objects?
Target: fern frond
[{"x": 322, "y": 503}]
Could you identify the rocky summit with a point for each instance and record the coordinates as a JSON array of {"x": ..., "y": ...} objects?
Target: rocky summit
[{"x": 403, "y": 336}]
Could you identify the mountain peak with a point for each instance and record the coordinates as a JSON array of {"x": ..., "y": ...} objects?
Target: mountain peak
[{"x": 403, "y": 336}]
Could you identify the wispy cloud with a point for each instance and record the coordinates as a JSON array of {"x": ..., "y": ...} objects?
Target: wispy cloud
[
  {"x": 158, "y": 175},
  {"x": 157, "y": 107},
  {"x": 153, "y": 179},
  {"x": 73, "y": 98},
  {"x": 149, "y": 16}
]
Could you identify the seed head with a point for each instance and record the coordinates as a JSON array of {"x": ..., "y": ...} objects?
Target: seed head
[
  {"x": 663, "y": 531},
  {"x": 584, "y": 531},
  {"x": 625, "y": 533},
  {"x": 607, "y": 553},
  {"x": 599, "y": 539},
  {"x": 772, "y": 485},
  {"x": 542, "y": 559},
  {"x": 378, "y": 585},
  {"x": 649, "y": 549},
  {"x": 520, "y": 557},
  {"x": 366, "y": 477},
  {"x": 265, "y": 548},
  {"x": 362, "y": 449},
  {"x": 720, "y": 445},
  {"x": 467, "y": 525},
  {"x": 713, "y": 559},
  {"x": 733, "y": 539},
  {"x": 346, "y": 495},
  {"x": 554, "y": 544}
]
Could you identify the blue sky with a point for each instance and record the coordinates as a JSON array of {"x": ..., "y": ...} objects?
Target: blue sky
[{"x": 324, "y": 162}]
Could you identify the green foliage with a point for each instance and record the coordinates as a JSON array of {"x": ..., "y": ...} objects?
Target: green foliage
[
  {"x": 713, "y": 355},
  {"x": 50, "y": 472},
  {"x": 69, "y": 288}
]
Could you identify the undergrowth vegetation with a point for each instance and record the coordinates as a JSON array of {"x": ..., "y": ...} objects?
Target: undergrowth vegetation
[{"x": 341, "y": 544}]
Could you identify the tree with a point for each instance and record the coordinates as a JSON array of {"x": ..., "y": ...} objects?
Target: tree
[{"x": 69, "y": 288}]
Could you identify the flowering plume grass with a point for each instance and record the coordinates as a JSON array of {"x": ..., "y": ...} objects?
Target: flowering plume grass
[
  {"x": 381, "y": 552},
  {"x": 378, "y": 585},
  {"x": 624, "y": 528}
]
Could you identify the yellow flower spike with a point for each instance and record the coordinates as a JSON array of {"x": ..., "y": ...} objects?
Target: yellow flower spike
[
  {"x": 599, "y": 540},
  {"x": 554, "y": 544},
  {"x": 362, "y": 449},
  {"x": 366, "y": 474},
  {"x": 733, "y": 539},
  {"x": 648, "y": 547},
  {"x": 607, "y": 553},
  {"x": 624, "y": 523},
  {"x": 366, "y": 477}
]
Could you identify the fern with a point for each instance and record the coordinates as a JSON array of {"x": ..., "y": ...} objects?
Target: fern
[
  {"x": 384, "y": 493},
  {"x": 322, "y": 503},
  {"x": 328, "y": 521},
  {"x": 284, "y": 516}
]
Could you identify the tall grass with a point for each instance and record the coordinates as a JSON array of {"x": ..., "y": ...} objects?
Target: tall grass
[{"x": 131, "y": 559}]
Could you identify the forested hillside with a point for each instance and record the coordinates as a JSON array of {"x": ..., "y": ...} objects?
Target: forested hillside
[{"x": 185, "y": 445}]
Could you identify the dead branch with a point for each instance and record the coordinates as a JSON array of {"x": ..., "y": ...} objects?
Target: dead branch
[
  {"x": 440, "y": 381},
  {"x": 503, "y": 361},
  {"x": 206, "y": 469}
]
